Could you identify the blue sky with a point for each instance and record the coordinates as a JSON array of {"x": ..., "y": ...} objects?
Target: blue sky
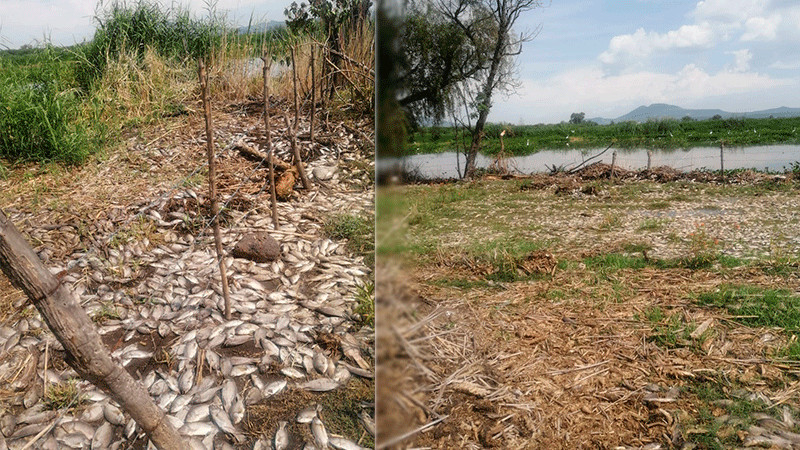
[
  {"x": 66, "y": 22},
  {"x": 606, "y": 58}
]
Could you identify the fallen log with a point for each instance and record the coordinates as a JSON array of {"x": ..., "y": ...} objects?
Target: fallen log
[
  {"x": 76, "y": 332},
  {"x": 253, "y": 154}
]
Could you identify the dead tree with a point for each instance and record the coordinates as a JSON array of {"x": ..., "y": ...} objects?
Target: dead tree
[
  {"x": 201, "y": 71},
  {"x": 76, "y": 332}
]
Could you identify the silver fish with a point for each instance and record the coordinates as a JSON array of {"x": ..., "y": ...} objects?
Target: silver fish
[
  {"x": 223, "y": 422},
  {"x": 113, "y": 414},
  {"x": 102, "y": 437},
  {"x": 320, "y": 435},
  {"x": 274, "y": 388},
  {"x": 281, "y": 436},
  {"x": 307, "y": 415},
  {"x": 319, "y": 385}
]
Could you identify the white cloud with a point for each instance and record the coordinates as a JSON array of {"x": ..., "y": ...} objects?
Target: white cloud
[
  {"x": 589, "y": 89},
  {"x": 741, "y": 62},
  {"x": 629, "y": 47},
  {"x": 761, "y": 28}
]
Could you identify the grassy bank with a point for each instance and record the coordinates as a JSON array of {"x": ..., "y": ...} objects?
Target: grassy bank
[
  {"x": 668, "y": 133},
  {"x": 614, "y": 301},
  {"x": 65, "y": 104}
]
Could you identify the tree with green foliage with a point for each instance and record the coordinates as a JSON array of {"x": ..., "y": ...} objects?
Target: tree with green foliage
[
  {"x": 488, "y": 27},
  {"x": 333, "y": 18},
  {"x": 576, "y": 118}
]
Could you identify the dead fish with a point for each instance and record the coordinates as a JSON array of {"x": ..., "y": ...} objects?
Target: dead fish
[
  {"x": 343, "y": 444},
  {"x": 320, "y": 362},
  {"x": 320, "y": 435},
  {"x": 253, "y": 396},
  {"x": 229, "y": 391},
  {"x": 341, "y": 375},
  {"x": 319, "y": 385},
  {"x": 243, "y": 370},
  {"x": 130, "y": 429},
  {"x": 274, "y": 388},
  {"x": 307, "y": 415},
  {"x": 92, "y": 413},
  {"x": 113, "y": 414},
  {"x": 281, "y": 436},
  {"x": 223, "y": 422},
  {"x": 291, "y": 372},
  {"x": 102, "y": 437},
  {"x": 206, "y": 395},
  {"x": 237, "y": 410},
  {"x": 186, "y": 380},
  {"x": 72, "y": 440},
  {"x": 198, "y": 429},
  {"x": 197, "y": 413},
  {"x": 180, "y": 403}
]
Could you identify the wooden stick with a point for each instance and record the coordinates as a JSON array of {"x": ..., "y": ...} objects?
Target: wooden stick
[
  {"x": 76, "y": 332},
  {"x": 294, "y": 83},
  {"x": 613, "y": 163},
  {"x": 201, "y": 71},
  {"x": 649, "y": 158},
  {"x": 313, "y": 95},
  {"x": 267, "y": 135},
  {"x": 721, "y": 159},
  {"x": 296, "y": 152}
]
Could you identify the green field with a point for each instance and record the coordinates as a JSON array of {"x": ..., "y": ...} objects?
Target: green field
[
  {"x": 662, "y": 134},
  {"x": 63, "y": 104}
]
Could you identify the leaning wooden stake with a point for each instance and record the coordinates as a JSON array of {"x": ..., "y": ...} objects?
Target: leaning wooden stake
[
  {"x": 313, "y": 95},
  {"x": 268, "y": 137},
  {"x": 201, "y": 71},
  {"x": 294, "y": 84},
  {"x": 649, "y": 158},
  {"x": 296, "y": 152},
  {"x": 76, "y": 332}
]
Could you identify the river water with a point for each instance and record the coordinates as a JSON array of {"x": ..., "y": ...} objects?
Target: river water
[{"x": 761, "y": 157}]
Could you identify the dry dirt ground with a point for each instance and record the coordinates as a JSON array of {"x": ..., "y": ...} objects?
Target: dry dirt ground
[
  {"x": 95, "y": 208},
  {"x": 566, "y": 312}
]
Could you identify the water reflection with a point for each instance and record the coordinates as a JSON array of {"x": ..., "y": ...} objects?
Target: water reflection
[{"x": 763, "y": 157}]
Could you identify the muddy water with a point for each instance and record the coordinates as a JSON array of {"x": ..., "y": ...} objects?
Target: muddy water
[{"x": 447, "y": 165}]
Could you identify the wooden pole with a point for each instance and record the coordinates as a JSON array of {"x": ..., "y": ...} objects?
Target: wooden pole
[
  {"x": 296, "y": 152},
  {"x": 76, "y": 332},
  {"x": 313, "y": 95},
  {"x": 268, "y": 136},
  {"x": 613, "y": 163},
  {"x": 294, "y": 84},
  {"x": 649, "y": 158},
  {"x": 201, "y": 71},
  {"x": 722, "y": 159}
]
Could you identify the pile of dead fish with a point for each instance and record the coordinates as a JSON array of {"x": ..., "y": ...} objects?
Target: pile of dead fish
[{"x": 171, "y": 290}]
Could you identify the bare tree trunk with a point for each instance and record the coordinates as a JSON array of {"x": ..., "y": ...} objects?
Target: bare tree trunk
[
  {"x": 76, "y": 332},
  {"x": 201, "y": 71},
  {"x": 268, "y": 137}
]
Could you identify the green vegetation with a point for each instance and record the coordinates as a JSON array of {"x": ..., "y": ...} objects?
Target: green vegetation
[
  {"x": 65, "y": 104},
  {"x": 661, "y": 134},
  {"x": 365, "y": 296},
  {"x": 63, "y": 395},
  {"x": 359, "y": 232},
  {"x": 757, "y": 306},
  {"x": 42, "y": 115}
]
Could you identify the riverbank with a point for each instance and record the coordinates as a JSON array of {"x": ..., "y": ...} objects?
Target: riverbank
[
  {"x": 662, "y": 134},
  {"x": 592, "y": 313}
]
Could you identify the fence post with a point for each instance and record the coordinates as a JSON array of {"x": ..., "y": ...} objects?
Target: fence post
[
  {"x": 268, "y": 137},
  {"x": 722, "y": 159},
  {"x": 613, "y": 163},
  {"x": 201, "y": 72},
  {"x": 649, "y": 158},
  {"x": 76, "y": 332}
]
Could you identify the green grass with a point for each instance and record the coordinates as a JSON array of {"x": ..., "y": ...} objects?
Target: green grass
[
  {"x": 667, "y": 134},
  {"x": 42, "y": 115},
  {"x": 756, "y": 306},
  {"x": 62, "y": 395},
  {"x": 365, "y": 296},
  {"x": 359, "y": 232}
]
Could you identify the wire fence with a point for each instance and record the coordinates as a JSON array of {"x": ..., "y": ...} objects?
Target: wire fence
[{"x": 773, "y": 158}]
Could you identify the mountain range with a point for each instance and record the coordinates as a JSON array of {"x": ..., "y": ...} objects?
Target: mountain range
[{"x": 665, "y": 111}]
